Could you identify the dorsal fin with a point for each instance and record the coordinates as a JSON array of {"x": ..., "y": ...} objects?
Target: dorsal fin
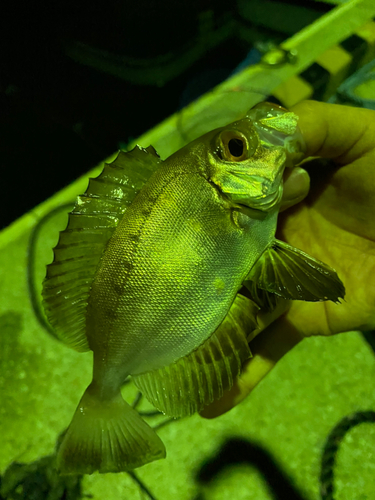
[
  {"x": 186, "y": 386},
  {"x": 91, "y": 224}
]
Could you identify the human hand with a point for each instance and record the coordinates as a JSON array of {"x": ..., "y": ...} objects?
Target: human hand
[{"x": 335, "y": 224}]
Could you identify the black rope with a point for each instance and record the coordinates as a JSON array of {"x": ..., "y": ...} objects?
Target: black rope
[
  {"x": 331, "y": 448},
  {"x": 31, "y": 264},
  {"x": 141, "y": 485},
  {"x": 236, "y": 451}
]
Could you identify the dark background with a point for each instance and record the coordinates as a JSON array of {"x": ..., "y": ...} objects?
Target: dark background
[{"x": 138, "y": 62}]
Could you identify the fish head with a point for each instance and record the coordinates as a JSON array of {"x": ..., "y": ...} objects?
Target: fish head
[{"x": 247, "y": 158}]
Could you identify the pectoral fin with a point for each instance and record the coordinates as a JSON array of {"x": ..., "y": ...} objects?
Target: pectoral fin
[{"x": 292, "y": 274}]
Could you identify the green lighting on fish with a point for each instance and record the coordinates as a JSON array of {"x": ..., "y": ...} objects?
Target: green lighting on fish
[{"x": 147, "y": 275}]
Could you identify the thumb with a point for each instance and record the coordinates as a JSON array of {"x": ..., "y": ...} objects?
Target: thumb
[{"x": 296, "y": 187}]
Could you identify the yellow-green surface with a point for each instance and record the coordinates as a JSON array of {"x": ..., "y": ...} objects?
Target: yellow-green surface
[{"x": 290, "y": 413}]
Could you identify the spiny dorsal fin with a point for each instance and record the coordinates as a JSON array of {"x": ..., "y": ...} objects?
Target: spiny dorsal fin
[
  {"x": 202, "y": 376},
  {"x": 91, "y": 224},
  {"x": 293, "y": 274}
]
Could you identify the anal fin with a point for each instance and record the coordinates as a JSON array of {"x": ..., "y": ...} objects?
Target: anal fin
[{"x": 199, "y": 378}]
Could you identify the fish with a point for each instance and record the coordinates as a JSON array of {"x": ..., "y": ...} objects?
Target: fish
[{"x": 149, "y": 275}]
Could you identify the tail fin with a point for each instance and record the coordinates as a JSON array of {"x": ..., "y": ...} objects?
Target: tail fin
[{"x": 107, "y": 436}]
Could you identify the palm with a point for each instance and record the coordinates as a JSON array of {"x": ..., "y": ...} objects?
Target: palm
[{"x": 335, "y": 224}]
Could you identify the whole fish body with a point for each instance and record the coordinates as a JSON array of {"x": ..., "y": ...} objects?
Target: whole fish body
[{"x": 147, "y": 276}]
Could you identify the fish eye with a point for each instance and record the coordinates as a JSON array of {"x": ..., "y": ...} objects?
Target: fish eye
[{"x": 234, "y": 146}]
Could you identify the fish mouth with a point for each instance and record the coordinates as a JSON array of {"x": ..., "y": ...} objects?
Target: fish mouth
[
  {"x": 264, "y": 204},
  {"x": 253, "y": 213}
]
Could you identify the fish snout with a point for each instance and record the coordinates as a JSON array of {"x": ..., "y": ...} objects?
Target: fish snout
[{"x": 271, "y": 195}]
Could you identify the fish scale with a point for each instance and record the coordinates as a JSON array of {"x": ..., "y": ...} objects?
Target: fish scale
[{"x": 149, "y": 273}]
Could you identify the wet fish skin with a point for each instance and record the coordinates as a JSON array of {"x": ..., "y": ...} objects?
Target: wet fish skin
[
  {"x": 158, "y": 274},
  {"x": 187, "y": 231}
]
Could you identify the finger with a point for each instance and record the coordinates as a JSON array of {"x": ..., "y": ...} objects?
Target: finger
[
  {"x": 296, "y": 187},
  {"x": 267, "y": 348},
  {"x": 334, "y": 131}
]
